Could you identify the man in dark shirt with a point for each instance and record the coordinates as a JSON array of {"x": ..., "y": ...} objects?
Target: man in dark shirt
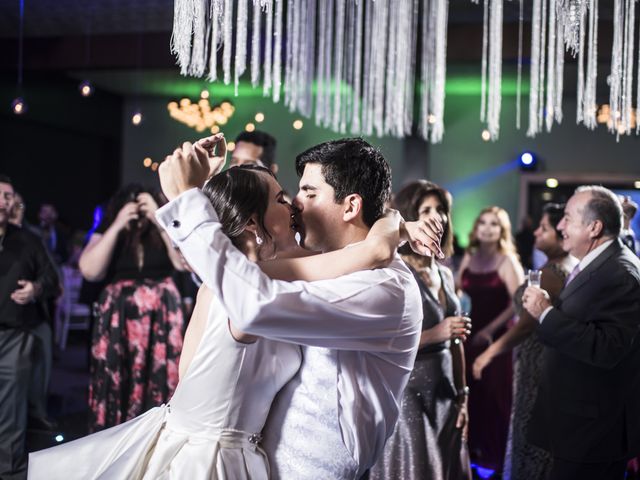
[{"x": 26, "y": 276}]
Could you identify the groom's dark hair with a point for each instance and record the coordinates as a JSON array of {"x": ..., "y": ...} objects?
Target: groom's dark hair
[{"x": 351, "y": 165}]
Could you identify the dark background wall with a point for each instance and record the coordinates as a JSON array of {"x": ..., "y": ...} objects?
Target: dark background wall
[{"x": 65, "y": 150}]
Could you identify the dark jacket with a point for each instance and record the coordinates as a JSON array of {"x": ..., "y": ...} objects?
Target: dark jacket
[
  {"x": 24, "y": 257},
  {"x": 588, "y": 405}
]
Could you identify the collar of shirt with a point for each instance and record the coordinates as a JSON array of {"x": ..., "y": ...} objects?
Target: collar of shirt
[{"x": 593, "y": 254}]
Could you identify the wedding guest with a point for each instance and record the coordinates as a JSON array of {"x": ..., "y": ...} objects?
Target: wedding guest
[
  {"x": 429, "y": 440},
  {"x": 524, "y": 460},
  {"x": 27, "y": 277},
  {"x": 489, "y": 274},
  {"x": 137, "y": 335},
  {"x": 587, "y": 412}
]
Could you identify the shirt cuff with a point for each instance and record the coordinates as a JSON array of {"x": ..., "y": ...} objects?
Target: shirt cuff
[
  {"x": 544, "y": 314},
  {"x": 182, "y": 215}
]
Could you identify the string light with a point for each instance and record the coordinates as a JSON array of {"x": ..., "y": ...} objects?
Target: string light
[
  {"x": 298, "y": 124},
  {"x": 552, "y": 182},
  {"x": 154, "y": 166},
  {"x": 250, "y": 127},
  {"x": 19, "y": 106},
  {"x": 86, "y": 89},
  {"x": 259, "y": 117},
  {"x": 486, "y": 135},
  {"x": 147, "y": 162},
  {"x": 204, "y": 94},
  {"x": 231, "y": 146},
  {"x": 605, "y": 116},
  {"x": 136, "y": 119}
]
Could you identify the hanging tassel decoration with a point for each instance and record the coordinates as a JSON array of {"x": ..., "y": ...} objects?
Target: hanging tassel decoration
[
  {"x": 551, "y": 67},
  {"x": 485, "y": 56},
  {"x": 433, "y": 70},
  {"x": 215, "y": 15},
  {"x": 571, "y": 18},
  {"x": 338, "y": 76},
  {"x": 277, "y": 52},
  {"x": 494, "y": 94},
  {"x": 589, "y": 105},
  {"x": 268, "y": 48},
  {"x": 519, "y": 77},
  {"x": 255, "y": 44},
  {"x": 534, "y": 83},
  {"x": 559, "y": 85}
]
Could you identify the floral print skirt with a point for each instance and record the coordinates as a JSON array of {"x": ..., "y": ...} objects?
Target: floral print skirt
[{"x": 136, "y": 344}]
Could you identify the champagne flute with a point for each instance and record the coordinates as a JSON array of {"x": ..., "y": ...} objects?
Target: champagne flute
[{"x": 534, "y": 277}]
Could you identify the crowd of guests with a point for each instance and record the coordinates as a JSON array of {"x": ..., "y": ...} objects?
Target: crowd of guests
[{"x": 480, "y": 379}]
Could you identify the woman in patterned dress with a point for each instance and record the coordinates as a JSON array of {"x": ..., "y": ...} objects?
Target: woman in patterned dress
[
  {"x": 523, "y": 460},
  {"x": 138, "y": 332}
]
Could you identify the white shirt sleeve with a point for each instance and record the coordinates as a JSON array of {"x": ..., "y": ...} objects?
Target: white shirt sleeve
[
  {"x": 361, "y": 311},
  {"x": 544, "y": 314}
]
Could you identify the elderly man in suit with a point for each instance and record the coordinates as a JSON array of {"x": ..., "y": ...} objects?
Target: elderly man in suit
[{"x": 588, "y": 408}]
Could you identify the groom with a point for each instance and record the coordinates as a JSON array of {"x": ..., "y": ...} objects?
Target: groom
[{"x": 359, "y": 332}]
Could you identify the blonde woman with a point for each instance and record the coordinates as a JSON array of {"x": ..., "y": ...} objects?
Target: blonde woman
[{"x": 490, "y": 273}]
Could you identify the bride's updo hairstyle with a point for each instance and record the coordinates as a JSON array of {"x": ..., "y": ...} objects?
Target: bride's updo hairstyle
[{"x": 236, "y": 194}]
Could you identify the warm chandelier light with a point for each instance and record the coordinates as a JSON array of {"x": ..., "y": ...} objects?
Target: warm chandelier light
[
  {"x": 606, "y": 116},
  {"x": 201, "y": 115}
]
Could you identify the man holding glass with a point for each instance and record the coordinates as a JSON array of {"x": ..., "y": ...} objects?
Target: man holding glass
[{"x": 588, "y": 408}]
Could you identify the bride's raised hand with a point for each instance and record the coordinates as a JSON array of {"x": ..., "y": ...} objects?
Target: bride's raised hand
[
  {"x": 424, "y": 236},
  {"x": 215, "y": 148}
]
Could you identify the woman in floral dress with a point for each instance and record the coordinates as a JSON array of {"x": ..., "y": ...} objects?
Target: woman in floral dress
[{"x": 137, "y": 334}]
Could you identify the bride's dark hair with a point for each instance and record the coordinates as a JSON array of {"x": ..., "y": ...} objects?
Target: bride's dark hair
[{"x": 236, "y": 194}]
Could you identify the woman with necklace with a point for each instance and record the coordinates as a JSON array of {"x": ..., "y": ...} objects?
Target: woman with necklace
[
  {"x": 429, "y": 440},
  {"x": 524, "y": 460},
  {"x": 490, "y": 274}
]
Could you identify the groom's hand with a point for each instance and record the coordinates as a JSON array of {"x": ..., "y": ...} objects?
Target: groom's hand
[{"x": 190, "y": 166}]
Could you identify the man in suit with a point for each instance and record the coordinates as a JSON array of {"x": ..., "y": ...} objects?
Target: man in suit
[{"x": 587, "y": 413}]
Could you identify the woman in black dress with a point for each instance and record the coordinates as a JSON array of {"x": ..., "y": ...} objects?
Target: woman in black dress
[
  {"x": 429, "y": 440},
  {"x": 137, "y": 335}
]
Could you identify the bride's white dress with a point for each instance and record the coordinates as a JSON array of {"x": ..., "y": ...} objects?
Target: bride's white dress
[{"x": 209, "y": 430}]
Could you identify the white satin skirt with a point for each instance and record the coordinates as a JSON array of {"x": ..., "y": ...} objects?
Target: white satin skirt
[{"x": 152, "y": 446}]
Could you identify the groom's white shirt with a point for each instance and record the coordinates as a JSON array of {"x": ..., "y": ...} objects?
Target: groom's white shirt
[{"x": 369, "y": 320}]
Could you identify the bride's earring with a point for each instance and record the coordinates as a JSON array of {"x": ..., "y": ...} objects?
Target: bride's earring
[{"x": 259, "y": 240}]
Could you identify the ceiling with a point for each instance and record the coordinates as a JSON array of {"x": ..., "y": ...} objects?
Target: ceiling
[
  {"x": 53, "y": 18},
  {"x": 57, "y": 34}
]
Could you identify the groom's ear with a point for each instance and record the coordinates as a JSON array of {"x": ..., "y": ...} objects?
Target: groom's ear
[{"x": 352, "y": 207}]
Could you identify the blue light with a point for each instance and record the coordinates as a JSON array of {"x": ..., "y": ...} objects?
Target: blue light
[
  {"x": 483, "y": 472},
  {"x": 526, "y": 159},
  {"x": 59, "y": 438},
  {"x": 98, "y": 214}
]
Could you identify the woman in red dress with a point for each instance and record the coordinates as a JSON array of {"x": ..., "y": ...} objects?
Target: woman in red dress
[{"x": 489, "y": 274}]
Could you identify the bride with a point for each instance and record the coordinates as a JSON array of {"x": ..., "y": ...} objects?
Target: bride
[{"x": 211, "y": 426}]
